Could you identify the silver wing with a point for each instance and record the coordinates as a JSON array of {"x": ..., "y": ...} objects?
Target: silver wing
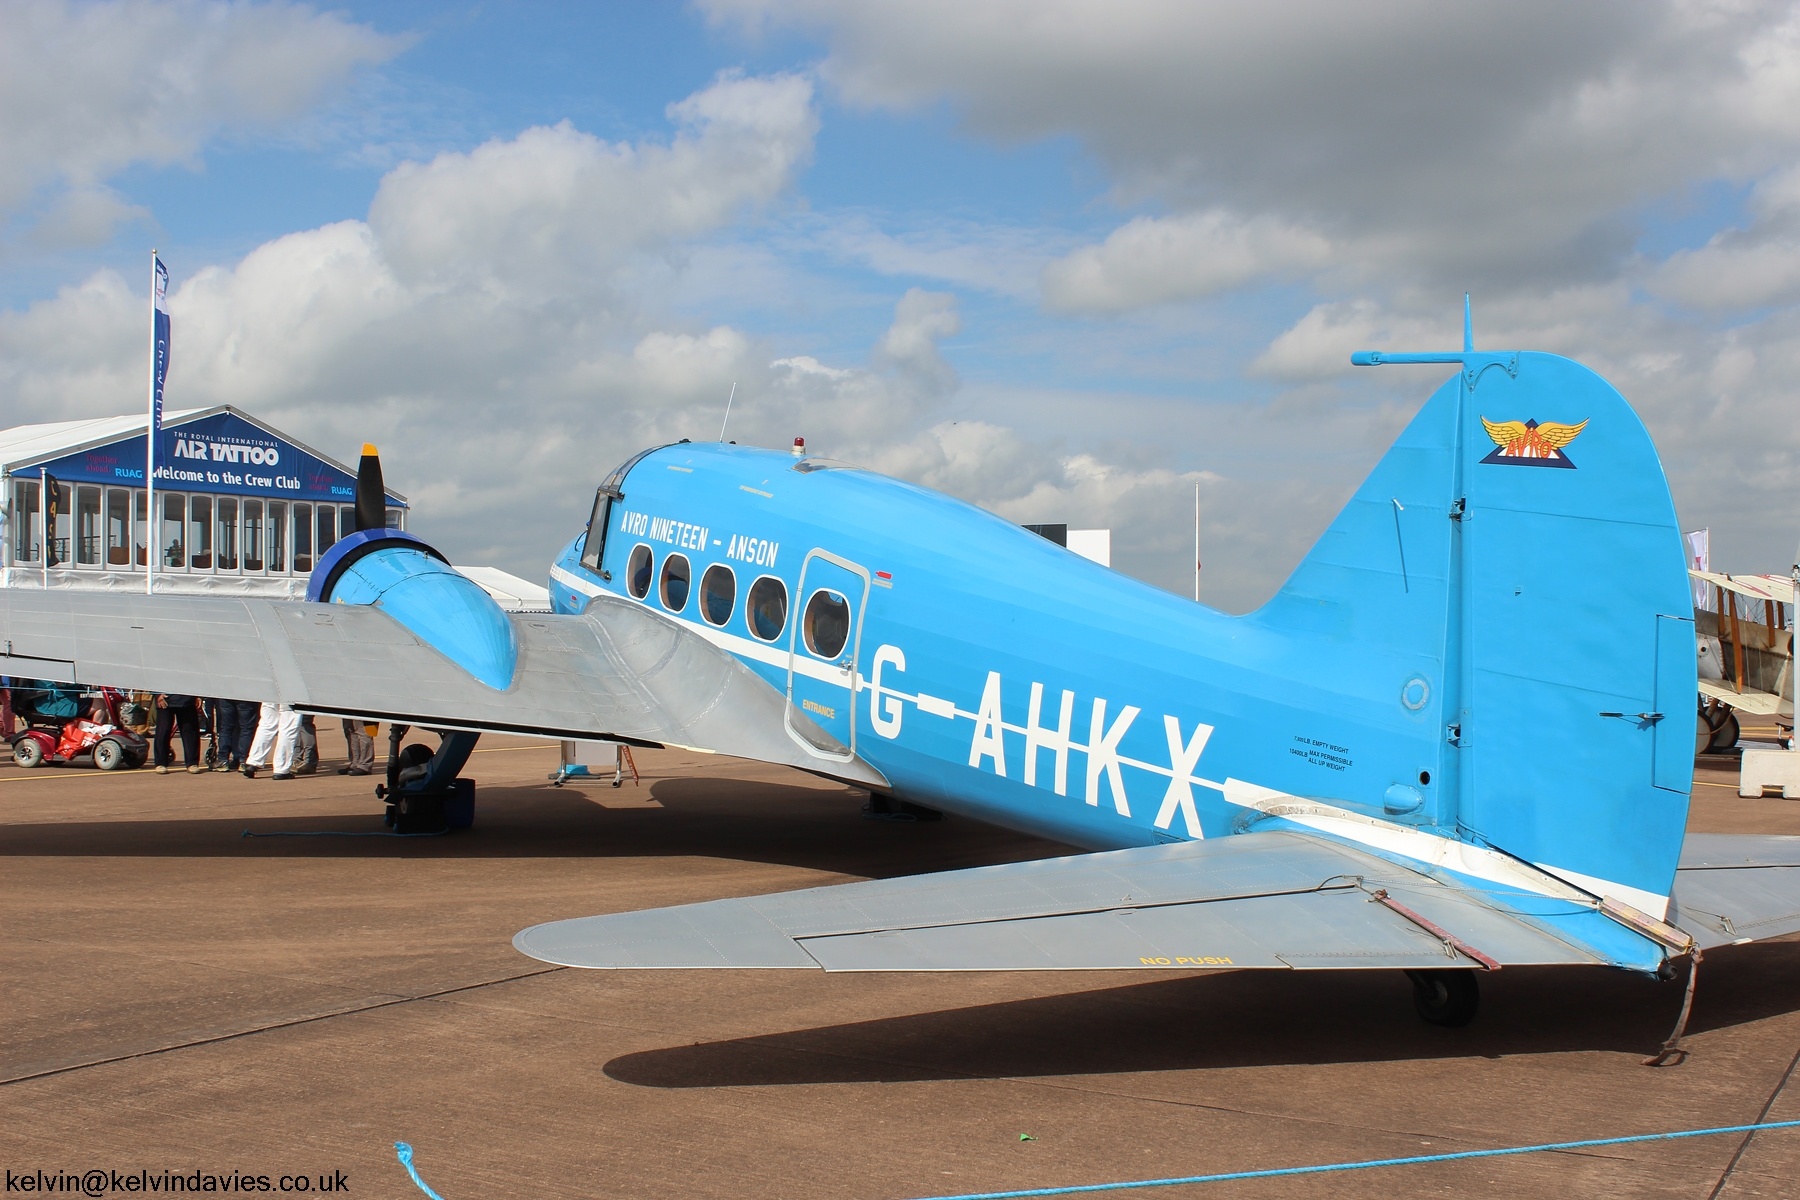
[
  {"x": 618, "y": 671},
  {"x": 1274, "y": 900}
]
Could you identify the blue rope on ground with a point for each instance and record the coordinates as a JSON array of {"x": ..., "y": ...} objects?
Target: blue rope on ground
[
  {"x": 404, "y": 1152},
  {"x": 342, "y": 833},
  {"x": 1359, "y": 1166}
]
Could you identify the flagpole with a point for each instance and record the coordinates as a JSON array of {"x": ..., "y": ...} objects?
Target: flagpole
[
  {"x": 50, "y": 525},
  {"x": 150, "y": 448},
  {"x": 1196, "y": 542}
]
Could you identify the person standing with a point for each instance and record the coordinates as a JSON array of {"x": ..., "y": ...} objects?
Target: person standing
[
  {"x": 306, "y": 758},
  {"x": 172, "y": 712},
  {"x": 277, "y": 729},
  {"x": 361, "y": 740},
  {"x": 237, "y": 724}
]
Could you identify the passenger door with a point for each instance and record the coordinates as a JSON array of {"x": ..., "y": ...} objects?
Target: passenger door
[{"x": 824, "y": 649}]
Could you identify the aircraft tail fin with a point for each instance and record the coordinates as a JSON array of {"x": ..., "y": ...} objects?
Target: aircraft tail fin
[{"x": 1509, "y": 587}]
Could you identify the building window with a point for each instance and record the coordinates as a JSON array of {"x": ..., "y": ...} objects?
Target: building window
[
  {"x": 346, "y": 520},
  {"x": 253, "y": 536},
  {"x": 65, "y": 523},
  {"x": 87, "y": 526},
  {"x": 28, "y": 525},
  {"x": 767, "y": 610},
  {"x": 278, "y": 519},
  {"x": 327, "y": 526},
  {"x": 140, "y": 528},
  {"x": 303, "y": 535},
  {"x": 200, "y": 532},
  {"x": 718, "y": 593},
  {"x": 118, "y": 527},
  {"x": 228, "y": 533},
  {"x": 169, "y": 538}
]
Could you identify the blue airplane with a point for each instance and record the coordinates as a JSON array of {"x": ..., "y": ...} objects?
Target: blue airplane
[{"x": 1457, "y": 739}]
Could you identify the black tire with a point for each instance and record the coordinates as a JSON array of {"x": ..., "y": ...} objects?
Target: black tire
[
  {"x": 110, "y": 755},
  {"x": 1448, "y": 998},
  {"x": 27, "y": 752},
  {"x": 1703, "y": 736},
  {"x": 1726, "y": 735}
]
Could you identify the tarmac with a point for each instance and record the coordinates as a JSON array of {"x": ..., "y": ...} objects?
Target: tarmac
[{"x": 181, "y": 998}]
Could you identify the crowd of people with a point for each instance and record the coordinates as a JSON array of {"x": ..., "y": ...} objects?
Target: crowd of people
[{"x": 246, "y": 736}]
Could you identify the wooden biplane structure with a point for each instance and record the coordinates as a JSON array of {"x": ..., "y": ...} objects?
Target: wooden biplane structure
[{"x": 1744, "y": 630}]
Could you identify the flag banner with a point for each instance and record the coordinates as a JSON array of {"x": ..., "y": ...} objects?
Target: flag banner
[
  {"x": 1699, "y": 545},
  {"x": 160, "y": 340},
  {"x": 52, "y": 502}
]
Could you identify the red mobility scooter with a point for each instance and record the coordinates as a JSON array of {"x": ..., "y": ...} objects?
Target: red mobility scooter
[{"x": 93, "y": 736}]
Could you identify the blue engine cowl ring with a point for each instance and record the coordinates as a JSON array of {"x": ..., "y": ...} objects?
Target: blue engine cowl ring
[{"x": 416, "y": 586}]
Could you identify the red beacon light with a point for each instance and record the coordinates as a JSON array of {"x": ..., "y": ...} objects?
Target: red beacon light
[{"x": 799, "y": 447}]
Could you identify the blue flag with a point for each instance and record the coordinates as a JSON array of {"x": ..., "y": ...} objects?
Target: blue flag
[{"x": 160, "y": 337}]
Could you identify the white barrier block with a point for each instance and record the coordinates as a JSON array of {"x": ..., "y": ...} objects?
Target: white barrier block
[{"x": 1770, "y": 768}]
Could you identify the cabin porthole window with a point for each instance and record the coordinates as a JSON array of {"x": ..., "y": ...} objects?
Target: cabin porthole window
[
  {"x": 718, "y": 594},
  {"x": 637, "y": 572},
  {"x": 826, "y": 625},
  {"x": 766, "y": 612},
  {"x": 677, "y": 579}
]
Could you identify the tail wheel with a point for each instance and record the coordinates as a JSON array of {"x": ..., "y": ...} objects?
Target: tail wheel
[
  {"x": 27, "y": 752},
  {"x": 109, "y": 755},
  {"x": 1726, "y": 735},
  {"x": 1447, "y": 998}
]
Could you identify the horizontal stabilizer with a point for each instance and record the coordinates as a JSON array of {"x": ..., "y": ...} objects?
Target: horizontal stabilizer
[
  {"x": 1277, "y": 899},
  {"x": 1735, "y": 888}
]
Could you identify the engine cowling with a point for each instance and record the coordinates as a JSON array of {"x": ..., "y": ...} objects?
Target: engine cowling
[{"x": 415, "y": 585}]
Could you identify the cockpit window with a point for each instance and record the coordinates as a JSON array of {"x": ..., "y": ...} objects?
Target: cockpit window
[
  {"x": 826, "y": 626},
  {"x": 675, "y": 581},
  {"x": 637, "y": 572},
  {"x": 767, "y": 611},
  {"x": 718, "y": 593},
  {"x": 595, "y": 545}
]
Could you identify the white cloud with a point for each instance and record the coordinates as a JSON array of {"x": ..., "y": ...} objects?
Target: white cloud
[
  {"x": 553, "y": 206},
  {"x": 1743, "y": 268},
  {"x": 1480, "y": 144},
  {"x": 1155, "y": 259},
  {"x": 86, "y": 216},
  {"x": 89, "y": 89}
]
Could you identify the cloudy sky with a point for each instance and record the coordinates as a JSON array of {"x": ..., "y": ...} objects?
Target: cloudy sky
[{"x": 1061, "y": 259}]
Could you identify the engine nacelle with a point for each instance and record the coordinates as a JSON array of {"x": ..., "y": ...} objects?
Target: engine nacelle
[{"x": 414, "y": 584}]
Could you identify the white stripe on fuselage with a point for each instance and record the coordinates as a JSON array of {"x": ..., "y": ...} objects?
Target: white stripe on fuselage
[{"x": 1435, "y": 850}]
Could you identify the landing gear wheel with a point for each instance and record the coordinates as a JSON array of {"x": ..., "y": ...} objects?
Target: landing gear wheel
[
  {"x": 1726, "y": 735},
  {"x": 27, "y": 752},
  {"x": 1447, "y": 998},
  {"x": 1703, "y": 736},
  {"x": 109, "y": 755}
]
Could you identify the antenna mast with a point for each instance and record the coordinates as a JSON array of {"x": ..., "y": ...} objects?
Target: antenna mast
[
  {"x": 1196, "y": 541},
  {"x": 728, "y": 401}
]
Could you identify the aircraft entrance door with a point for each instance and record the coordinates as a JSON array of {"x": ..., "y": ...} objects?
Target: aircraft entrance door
[{"x": 824, "y": 655}]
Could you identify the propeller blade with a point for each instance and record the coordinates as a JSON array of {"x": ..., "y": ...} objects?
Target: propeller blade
[{"x": 371, "y": 496}]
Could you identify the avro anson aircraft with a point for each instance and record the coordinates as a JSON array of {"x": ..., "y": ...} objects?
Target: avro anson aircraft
[{"x": 1459, "y": 738}]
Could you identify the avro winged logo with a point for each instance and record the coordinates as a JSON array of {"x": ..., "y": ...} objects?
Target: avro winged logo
[{"x": 1530, "y": 443}]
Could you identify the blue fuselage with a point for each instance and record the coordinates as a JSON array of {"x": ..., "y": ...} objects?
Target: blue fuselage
[{"x": 989, "y": 672}]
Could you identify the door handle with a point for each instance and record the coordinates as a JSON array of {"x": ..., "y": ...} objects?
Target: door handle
[{"x": 1649, "y": 718}]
